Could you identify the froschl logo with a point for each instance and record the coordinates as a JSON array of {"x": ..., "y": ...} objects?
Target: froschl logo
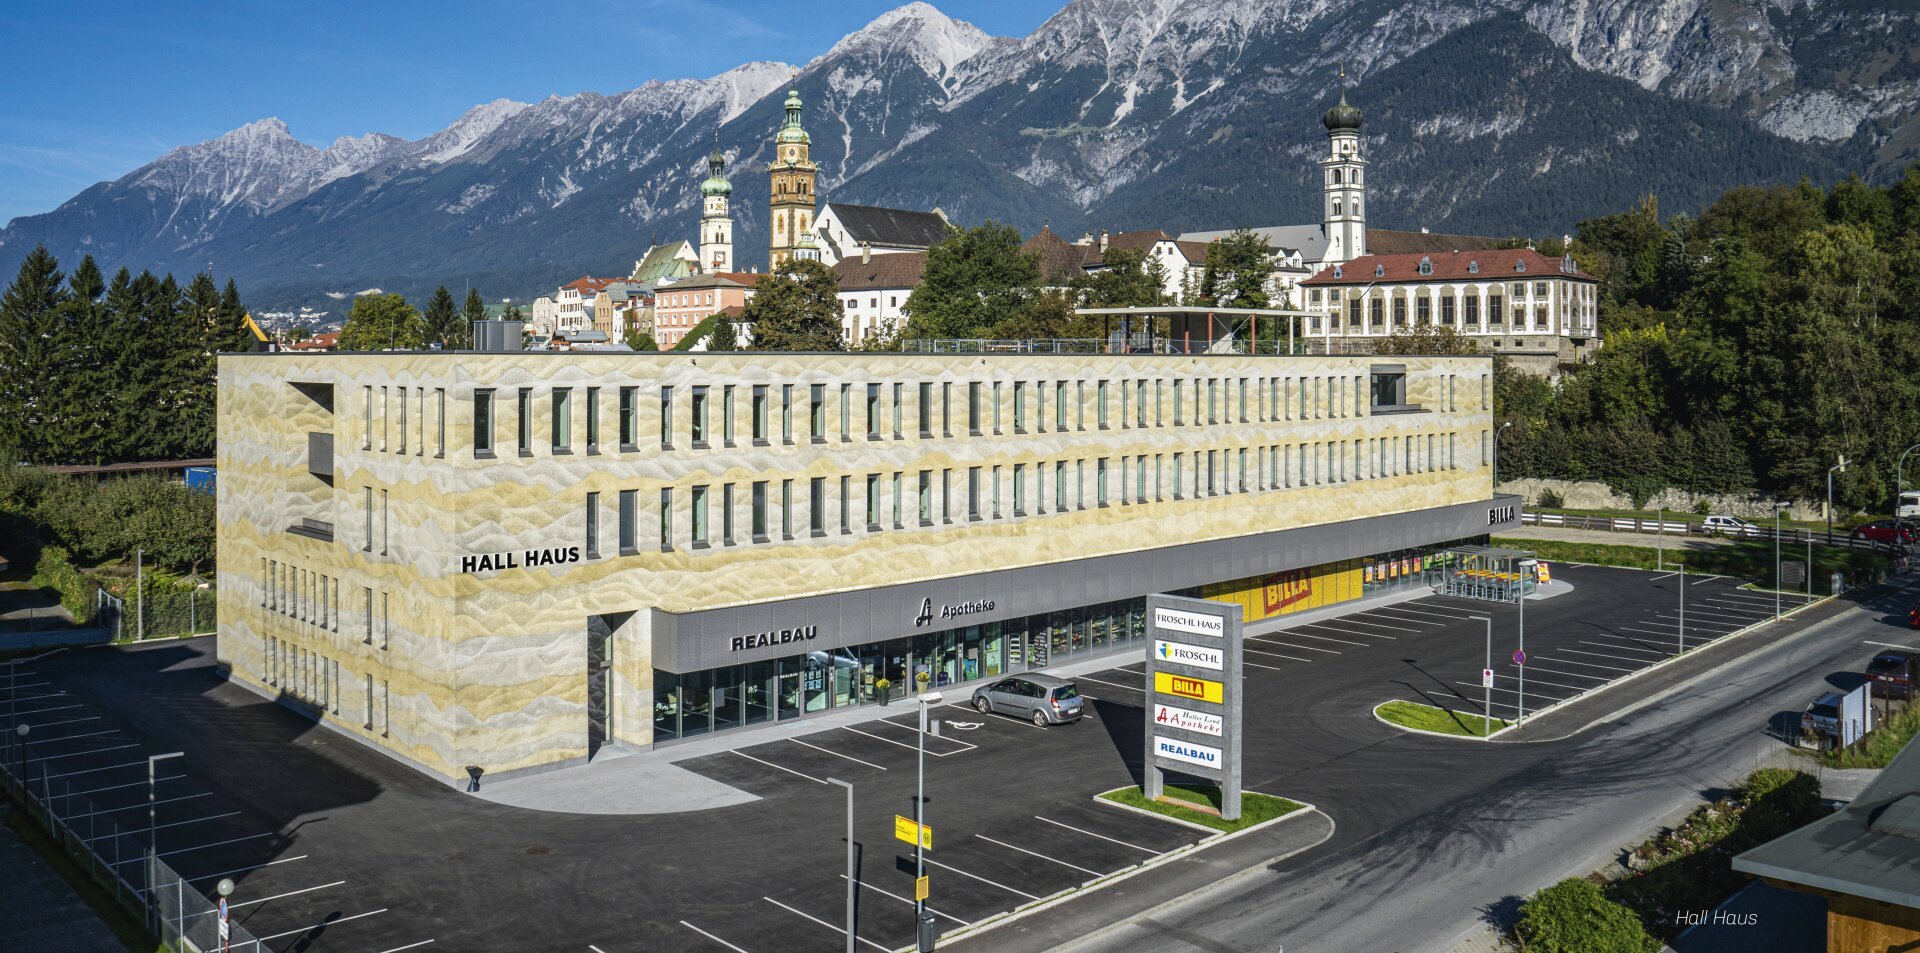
[{"x": 926, "y": 613}]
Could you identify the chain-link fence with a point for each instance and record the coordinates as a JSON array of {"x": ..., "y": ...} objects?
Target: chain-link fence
[{"x": 117, "y": 859}]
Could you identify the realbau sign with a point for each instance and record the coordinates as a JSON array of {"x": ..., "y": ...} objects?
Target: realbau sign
[
  {"x": 1190, "y": 752},
  {"x": 761, "y": 640},
  {"x": 529, "y": 558},
  {"x": 1180, "y": 653},
  {"x": 1186, "y": 719}
]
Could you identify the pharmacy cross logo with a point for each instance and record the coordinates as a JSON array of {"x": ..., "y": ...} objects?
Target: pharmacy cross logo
[{"x": 926, "y": 613}]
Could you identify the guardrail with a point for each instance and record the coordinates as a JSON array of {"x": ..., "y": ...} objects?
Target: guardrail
[{"x": 1619, "y": 524}]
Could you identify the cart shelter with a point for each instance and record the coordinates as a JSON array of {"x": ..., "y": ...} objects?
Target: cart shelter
[{"x": 1489, "y": 573}]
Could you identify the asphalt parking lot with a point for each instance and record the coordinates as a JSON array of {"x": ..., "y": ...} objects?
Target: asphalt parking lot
[{"x": 337, "y": 848}]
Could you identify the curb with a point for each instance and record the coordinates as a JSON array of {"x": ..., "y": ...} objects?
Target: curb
[
  {"x": 1436, "y": 734},
  {"x": 1099, "y": 883}
]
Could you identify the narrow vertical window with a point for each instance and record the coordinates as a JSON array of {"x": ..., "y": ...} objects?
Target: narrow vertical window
[
  {"x": 1100, "y": 396},
  {"x": 403, "y": 421},
  {"x": 440, "y": 423},
  {"x": 666, "y": 519},
  {"x": 726, "y": 514},
  {"x": 366, "y": 505},
  {"x": 926, "y": 409},
  {"x": 1100, "y": 482},
  {"x": 926, "y": 497},
  {"x": 699, "y": 517},
  {"x": 760, "y": 511},
  {"x": 629, "y": 521},
  {"x": 562, "y": 420},
  {"x": 759, "y": 414},
  {"x": 946, "y": 409},
  {"x": 786, "y": 509},
  {"x": 786, "y": 414},
  {"x": 593, "y": 420},
  {"x": 973, "y": 493},
  {"x": 1019, "y": 481},
  {"x": 726, "y": 415},
  {"x": 666, "y": 418},
  {"x": 384, "y": 524},
  {"x": 629, "y": 422},
  {"x": 897, "y": 479},
  {"x": 873, "y": 411},
  {"x": 593, "y": 525},
  {"x": 366, "y": 417},
  {"x": 524, "y": 430},
  {"x": 973, "y": 408},
  {"x": 700, "y": 420},
  {"x": 873, "y": 501},
  {"x": 817, "y": 412},
  {"x": 898, "y": 391},
  {"x": 482, "y": 422}
]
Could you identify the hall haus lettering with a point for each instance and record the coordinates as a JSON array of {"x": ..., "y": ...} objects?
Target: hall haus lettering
[{"x": 531, "y": 558}]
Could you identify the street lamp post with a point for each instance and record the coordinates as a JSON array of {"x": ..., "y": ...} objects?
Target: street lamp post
[
  {"x": 21, "y": 731},
  {"x": 850, "y": 866},
  {"x": 1680, "y": 573},
  {"x": 1496, "y": 451},
  {"x": 153, "y": 828},
  {"x": 922, "y": 934},
  {"x": 1840, "y": 467},
  {"x": 1529, "y": 571},
  {"x": 225, "y": 889},
  {"x": 1778, "y": 508},
  {"x": 1486, "y": 684}
]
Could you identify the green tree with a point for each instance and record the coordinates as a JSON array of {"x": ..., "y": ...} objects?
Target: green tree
[
  {"x": 461, "y": 337},
  {"x": 383, "y": 321},
  {"x": 30, "y": 355},
  {"x": 640, "y": 340},
  {"x": 1236, "y": 272},
  {"x": 1573, "y": 916},
  {"x": 975, "y": 279},
  {"x": 1130, "y": 279},
  {"x": 230, "y": 332},
  {"x": 441, "y": 320},
  {"x": 1426, "y": 339},
  {"x": 86, "y": 388},
  {"x": 796, "y": 308},
  {"x": 724, "y": 336}
]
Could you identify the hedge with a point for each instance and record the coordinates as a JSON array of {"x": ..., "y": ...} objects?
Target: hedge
[{"x": 1574, "y": 916}]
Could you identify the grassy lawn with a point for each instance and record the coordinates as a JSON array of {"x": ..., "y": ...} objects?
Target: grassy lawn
[
  {"x": 1880, "y": 745},
  {"x": 1746, "y": 559},
  {"x": 1429, "y": 718},
  {"x": 124, "y": 924},
  {"x": 1254, "y": 808}
]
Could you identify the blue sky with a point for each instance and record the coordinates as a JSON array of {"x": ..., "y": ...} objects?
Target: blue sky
[{"x": 94, "y": 90}]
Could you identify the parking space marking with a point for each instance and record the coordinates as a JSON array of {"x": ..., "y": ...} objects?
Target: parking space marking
[
  {"x": 142, "y": 804},
  {"x": 1276, "y": 655},
  {"x": 70, "y": 721},
  {"x": 1531, "y": 667},
  {"x": 895, "y": 741},
  {"x": 1432, "y": 610},
  {"x": 1270, "y": 668},
  {"x": 1327, "y": 638},
  {"x": 1624, "y": 648},
  {"x": 242, "y": 870},
  {"x": 1710, "y": 615},
  {"x": 934, "y": 863},
  {"x": 1616, "y": 658},
  {"x": 135, "y": 784},
  {"x": 1303, "y": 648},
  {"x": 42, "y": 711},
  {"x": 1729, "y": 626},
  {"x": 410, "y": 946},
  {"x": 1098, "y": 681},
  {"x": 197, "y": 820},
  {"x": 1510, "y": 691},
  {"x": 1331, "y": 628},
  {"x": 88, "y": 734},
  {"x": 969, "y": 746},
  {"x": 1575, "y": 661},
  {"x": 1417, "y": 616},
  {"x": 318, "y": 926},
  {"x": 1890, "y": 645},
  {"x": 1356, "y": 619},
  {"x": 80, "y": 754},
  {"x": 840, "y": 930},
  {"x": 715, "y": 939},
  {"x": 218, "y": 843},
  {"x": 835, "y": 753},
  {"x": 111, "y": 767},
  {"x": 294, "y": 893},
  {"x": 778, "y": 767},
  {"x": 1537, "y": 680},
  {"x": 1100, "y": 836},
  {"x": 1040, "y": 855},
  {"x": 888, "y": 893}
]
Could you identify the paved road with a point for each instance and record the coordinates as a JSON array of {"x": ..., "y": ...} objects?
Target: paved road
[{"x": 1528, "y": 815}]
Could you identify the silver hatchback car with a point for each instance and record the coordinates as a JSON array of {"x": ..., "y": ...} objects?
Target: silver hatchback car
[{"x": 1041, "y": 699}]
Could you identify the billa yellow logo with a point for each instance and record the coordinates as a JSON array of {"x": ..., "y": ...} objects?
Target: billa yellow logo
[{"x": 1167, "y": 683}]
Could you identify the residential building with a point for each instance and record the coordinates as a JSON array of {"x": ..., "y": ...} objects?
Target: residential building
[
  {"x": 573, "y": 302},
  {"x": 543, "y": 316},
  {"x": 1540, "y": 311},
  {"x": 682, "y": 305},
  {"x": 669, "y": 262},
  {"x": 496, "y": 562},
  {"x": 874, "y": 289},
  {"x": 791, "y": 174},
  {"x": 621, "y": 307},
  {"x": 847, "y": 231}
]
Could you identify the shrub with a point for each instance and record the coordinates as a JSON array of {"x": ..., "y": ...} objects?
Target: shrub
[
  {"x": 1573, "y": 916},
  {"x": 1551, "y": 499},
  {"x": 56, "y": 569},
  {"x": 1702, "y": 508}
]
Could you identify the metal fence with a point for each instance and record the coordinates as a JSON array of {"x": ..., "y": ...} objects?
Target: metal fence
[
  {"x": 116, "y": 858},
  {"x": 109, "y": 611},
  {"x": 1673, "y": 527}
]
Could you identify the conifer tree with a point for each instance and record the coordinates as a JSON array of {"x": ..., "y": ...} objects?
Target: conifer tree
[
  {"x": 85, "y": 388},
  {"x": 441, "y": 317},
  {"x": 723, "y": 337},
  {"x": 29, "y": 339},
  {"x": 475, "y": 309}
]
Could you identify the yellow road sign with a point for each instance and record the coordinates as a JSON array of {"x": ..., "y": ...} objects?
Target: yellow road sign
[
  {"x": 920, "y": 888},
  {"x": 1186, "y": 686},
  {"x": 904, "y": 827}
]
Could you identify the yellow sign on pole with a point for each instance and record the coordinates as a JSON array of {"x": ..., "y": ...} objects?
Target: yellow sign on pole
[
  {"x": 920, "y": 889},
  {"x": 1186, "y": 686},
  {"x": 904, "y": 829}
]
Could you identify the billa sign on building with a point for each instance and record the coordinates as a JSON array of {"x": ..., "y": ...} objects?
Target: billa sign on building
[{"x": 1194, "y": 708}]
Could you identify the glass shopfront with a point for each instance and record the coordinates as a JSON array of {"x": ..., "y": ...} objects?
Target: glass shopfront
[{"x": 693, "y": 704}]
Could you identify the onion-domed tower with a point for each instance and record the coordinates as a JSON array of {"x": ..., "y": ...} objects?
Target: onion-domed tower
[
  {"x": 716, "y": 223},
  {"x": 1343, "y": 177},
  {"x": 793, "y": 175}
]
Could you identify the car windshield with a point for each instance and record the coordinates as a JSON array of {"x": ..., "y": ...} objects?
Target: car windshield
[
  {"x": 1886, "y": 663},
  {"x": 1065, "y": 692},
  {"x": 1823, "y": 711}
]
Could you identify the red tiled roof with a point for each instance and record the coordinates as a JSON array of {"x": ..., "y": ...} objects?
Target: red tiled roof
[
  {"x": 588, "y": 283},
  {"x": 1059, "y": 258},
  {"x": 1387, "y": 241},
  {"x": 748, "y": 278},
  {"x": 318, "y": 342},
  {"x": 1493, "y": 265},
  {"x": 895, "y": 270}
]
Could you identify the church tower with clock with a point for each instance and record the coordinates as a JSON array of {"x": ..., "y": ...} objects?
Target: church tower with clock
[{"x": 793, "y": 174}]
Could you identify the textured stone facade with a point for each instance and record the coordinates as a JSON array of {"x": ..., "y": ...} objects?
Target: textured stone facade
[{"x": 343, "y": 589}]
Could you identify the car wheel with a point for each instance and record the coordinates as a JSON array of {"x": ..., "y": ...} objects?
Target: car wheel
[
  {"x": 1039, "y": 718},
  {"x": 982, "y": 706}
]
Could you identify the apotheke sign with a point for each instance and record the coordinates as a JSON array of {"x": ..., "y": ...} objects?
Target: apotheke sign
[
  {"x": 927, "y": 612},
  {"x": 1186, "y": 719}
]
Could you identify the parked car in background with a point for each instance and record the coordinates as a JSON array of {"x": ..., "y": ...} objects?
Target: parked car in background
[
  {"x": 1891, "y": 674},
  {"x": 1883, "y": 531},
  {"x": 1909, "y": 506},
  {"x": 1042, "y": 699},
  {"x": 1729, "y": 525},
  {"x": 1823, "y": 716}
]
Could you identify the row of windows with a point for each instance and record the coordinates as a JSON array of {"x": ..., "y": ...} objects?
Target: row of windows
[
  {"x": 817, "y": 506},
  {"x": 315, "y": 679},
  {"x": 314, "y": 598},
  {"x": 880, "y": 410},
  {"x": 1577, "y": 291},
  {"x": 393, "y": 431}
]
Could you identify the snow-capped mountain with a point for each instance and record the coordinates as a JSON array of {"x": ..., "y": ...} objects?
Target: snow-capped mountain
[{"x": 1496, "y": 116}]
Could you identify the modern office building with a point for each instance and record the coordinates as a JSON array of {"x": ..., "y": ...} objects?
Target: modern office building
[{"x": 506, "y": 561}]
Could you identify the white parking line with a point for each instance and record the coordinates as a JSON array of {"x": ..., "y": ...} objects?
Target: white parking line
[
  {"x": 1304, "y": 648},
  {"x": 1103, "y": 837},
  {"x": 1333, "y": 628},
  {"x": 1693, "y": 621},
  {"x": 1358, "y": 619},
  {"x": 1325, "y": 638},
  {"x": 1537, "y": 680},
  {"x": 1575, "y": 661},
  {"x": 1532, "y": 666},
  {"x": 1624, "y": 648},
  {"x": 1099, "y": 681},
  {"x": 835, "y": 753},
  {"x": 1270, "y": 668},
  {"x": 88, "y": 734},
  {"x": 116, "y": 787},
  {"x": 886, "y": 893},
  {"x": 1040, "y": 855},
  {"x": 896, "y": 741},
  {"x": 242, "y": 870},
  {"x": 82, "y": 754},
  {"x": 1618, "y": 658},
  {"x": 410, "y": 946},
  {"x": 42, "y": 711},
  {"x": 934, "y": 863},
  {"x": 1723, "y": 617},
  {"x": 1417, "y": 616},
  {"x": 210, "y": 817},
  {"x": 1706, "y": 580},
  {"x": 1890, "y": 645},
  {"x": 141, "y": 805},
  {"x": 1511, "y": 691},
  {"x": 111, "y": 767},
  {"x": 317, "y": 926},
  {"x": 840, "y": 930},
  {"x": 71, "y": 721},
  {"x": 780, "y": 768},
  {"x": 1276, "y": 654},
  {"x": 715, "y": 939},
  {"x": 277, "y": 896},
  {"x": 914, "y": 729},
  {"x": 1429, "y": 609}
]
